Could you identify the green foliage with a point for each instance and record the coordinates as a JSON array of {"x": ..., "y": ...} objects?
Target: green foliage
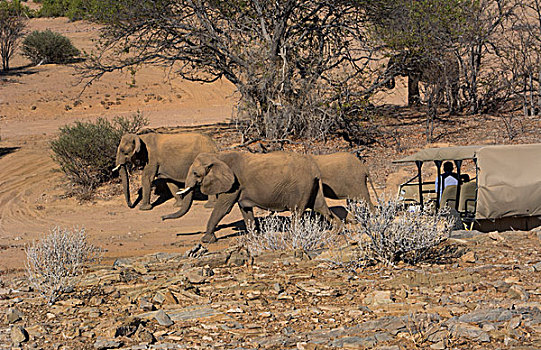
[
  {"x": 420, "y": 26},
  {"x": 48, "y": 46},
  {"x": 74, "y": 9},
  {"x": 14, "y": 8},
  {"x": 86, "y": 151}
]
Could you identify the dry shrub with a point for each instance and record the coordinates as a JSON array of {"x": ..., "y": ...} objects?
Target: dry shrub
[
  {"x": 86, "y": 151},
  {"x": 388, "y": 234},
  {"x": 307, "y": 232},
  {"x": 53, "y": 263}
]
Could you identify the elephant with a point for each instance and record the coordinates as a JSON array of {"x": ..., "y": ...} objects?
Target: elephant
[
  {"x": 276, "y": 181},
  {"x": 443, "y": 71},
  {"x": 344, "y": 176},
  {"x": 165, "y": 156}
]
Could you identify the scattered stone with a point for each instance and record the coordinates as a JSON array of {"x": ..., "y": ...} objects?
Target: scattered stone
[
  {"x": 18, "y": 335},
  {"x": 277, "y": 287},
  {"x": 378, "y": 297},
  {"x": 145, "y": 305},
  {"x": 537, "y": 267},
  {"x": 518, "y": 292},
  {"x": 469, "y": 257},
  {"x": 439, "y": 345},
  {"x": 159, "y": 298},
  {"x": 514, "y": 323},
  {"x": 464, "y": 330},
  {"x": 496, "y": 236},
  {"x": 163, "y": 319},
  {"x": 128, "y": 327},
  {"x": 144, "y": 335},
  {"x": 501, "y": 286},
  {"x": 96, "y": 301},
  {"x": 13, "y": 315},
  {"x": 102, "y": 344},
  {"x": 197, "y": 251},
  {"x": 238, "y": 258},
  {"x": 355, "y": 342}
]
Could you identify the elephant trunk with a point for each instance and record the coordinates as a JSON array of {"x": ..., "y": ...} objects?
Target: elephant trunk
[
  {"x": 187, "y": 201},
  {"x": 126, "y": 184}
]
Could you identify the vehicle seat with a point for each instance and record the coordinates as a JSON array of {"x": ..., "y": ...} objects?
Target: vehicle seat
[
  {"x": 468, "y": 194},
  {"x": 409, "y": 194},
  {"x": 448, "y": 197}
]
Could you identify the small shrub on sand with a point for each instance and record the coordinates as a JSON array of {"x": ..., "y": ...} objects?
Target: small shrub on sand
[
  {"x": 53, "y": 263},
  {"x": 48, "y": 47},
  {"x": 86, "y": 151}
]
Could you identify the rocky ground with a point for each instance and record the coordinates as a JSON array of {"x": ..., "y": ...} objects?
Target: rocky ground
[{"x": 488, "y": 296}]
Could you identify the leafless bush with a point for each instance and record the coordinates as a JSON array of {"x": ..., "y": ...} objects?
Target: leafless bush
[
  {"x": 279, "y": 233},
  {"x": 54, "y": 262},
  {"x": 387, "y": 234}
]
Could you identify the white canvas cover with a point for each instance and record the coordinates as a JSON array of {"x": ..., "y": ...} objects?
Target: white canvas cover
[{"x": 509, "y": 181}]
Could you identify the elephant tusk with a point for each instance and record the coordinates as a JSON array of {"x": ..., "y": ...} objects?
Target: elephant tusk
[
  {"x": 116, "y": 168},
  {"x": 184, "y": 191}
]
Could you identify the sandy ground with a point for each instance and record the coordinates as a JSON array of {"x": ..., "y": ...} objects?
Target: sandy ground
[{"x": 36, "y": 101}]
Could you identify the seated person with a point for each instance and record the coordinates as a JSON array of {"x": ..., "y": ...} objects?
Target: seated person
[
  {"x": 449, "y": 178},
  {"x": 464, "y": 178}
]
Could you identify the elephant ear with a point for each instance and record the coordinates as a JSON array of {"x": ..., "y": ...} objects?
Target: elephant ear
[{"x": 219, "y": 178}]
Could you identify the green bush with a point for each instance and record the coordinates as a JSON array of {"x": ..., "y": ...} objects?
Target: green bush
[
  {"x": 86, "y": 151},
  {"x": 48, "y": 47},
  {"x": 74, "y": 9}
]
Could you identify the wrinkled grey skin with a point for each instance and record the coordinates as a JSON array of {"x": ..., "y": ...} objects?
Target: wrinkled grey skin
[
  {"x": 165, "y": 156},
  {"x": 344, "y": 176},
  {"x": 444, "y": 72},
  {"x": 276, "y": 181}
]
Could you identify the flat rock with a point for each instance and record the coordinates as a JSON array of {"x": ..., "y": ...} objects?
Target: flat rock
[
  {"x": 102, "y": 344},
  {"x": 378, "y": 297},
  {"x": 18, "y": 334},
  {"x": 468, "y": 331},
  {"x": 13, "y": 315},
  {"x": 163, "y": 318},
  {"x": 518, "y": 292},
  {"x": 355, "y": 342}
]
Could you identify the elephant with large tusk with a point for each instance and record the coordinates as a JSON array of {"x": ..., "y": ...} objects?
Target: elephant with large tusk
[
  {"x": 276, "y": 181},
  {"x": 165, "y": 156}
]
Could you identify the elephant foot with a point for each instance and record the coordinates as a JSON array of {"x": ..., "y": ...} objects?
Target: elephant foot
[
  {"x": 209, "y": 204},
  {"x": 209, "y": 238},
  {"x": 145, "y": 207}
]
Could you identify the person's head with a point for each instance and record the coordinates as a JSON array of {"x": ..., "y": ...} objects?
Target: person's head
[
  {"x": 464, "y": 178},
  {"x": 448, "y": 167}
]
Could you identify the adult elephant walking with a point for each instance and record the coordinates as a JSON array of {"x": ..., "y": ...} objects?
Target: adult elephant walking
[
  {"x": 276, "y": 181},
  {"x": 165, "y": 156},
  {"x": 442, "y": 71},
  {"x": 344, "y": 176}
]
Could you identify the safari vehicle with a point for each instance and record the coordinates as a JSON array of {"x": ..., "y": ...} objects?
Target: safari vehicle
[{"x": 505, "y": 193}]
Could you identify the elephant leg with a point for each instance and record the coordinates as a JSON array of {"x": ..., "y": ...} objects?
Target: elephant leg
[
  {"x": 320, "y": 206},
  {"x": 211, "y": 201},
  {"x": 148, "y": 175},
  {"x": 248, "y": 216},
  {"x": 173, "y": 187},
  {"x": 222, "y": 207}
]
